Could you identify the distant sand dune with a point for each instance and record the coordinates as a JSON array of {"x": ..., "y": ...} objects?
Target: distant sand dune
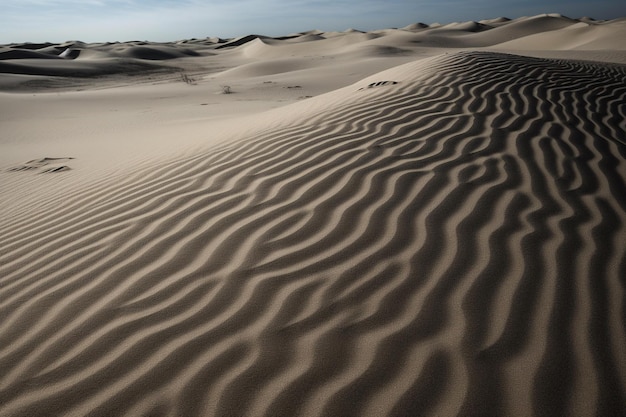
[
  {"x": 349, "y": 54},
  {"x": 155, "y": 53},
  {"x": 450, "y": 243}
]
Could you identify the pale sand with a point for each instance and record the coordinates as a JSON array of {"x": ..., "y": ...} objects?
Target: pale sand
[{"x": 428, "y": 221}]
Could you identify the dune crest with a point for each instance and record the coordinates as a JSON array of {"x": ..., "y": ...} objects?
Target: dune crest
[{"x": 80, "y": 65}]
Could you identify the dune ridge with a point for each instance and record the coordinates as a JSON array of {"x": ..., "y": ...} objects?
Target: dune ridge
[
  {"x": 447, "y": 242},
  {"x": 69, "y": 64}
]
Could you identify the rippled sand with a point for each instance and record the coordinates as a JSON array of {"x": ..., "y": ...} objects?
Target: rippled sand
[{"x": 446, "y": 237}]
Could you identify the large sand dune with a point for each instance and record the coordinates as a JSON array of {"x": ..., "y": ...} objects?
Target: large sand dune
[{"x": 445, "y": 237}]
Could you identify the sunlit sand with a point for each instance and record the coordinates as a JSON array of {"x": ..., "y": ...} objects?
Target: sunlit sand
[{"x": 424, "y": 221}]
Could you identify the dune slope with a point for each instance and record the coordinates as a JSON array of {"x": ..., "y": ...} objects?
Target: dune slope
[{"x": 444, "y": 238}]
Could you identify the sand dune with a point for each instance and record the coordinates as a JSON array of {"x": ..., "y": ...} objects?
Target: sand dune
[
  {"x": 446, "y": 237},
  {"x": 112, "y": 62},
  {"x": 576, "y": 36}
]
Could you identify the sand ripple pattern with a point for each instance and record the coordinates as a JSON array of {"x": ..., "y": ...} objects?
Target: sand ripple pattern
[{"x": 450, "y": 244}]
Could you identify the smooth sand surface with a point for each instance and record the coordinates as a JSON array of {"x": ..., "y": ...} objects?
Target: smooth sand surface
[{"x": 426, "y": 221}]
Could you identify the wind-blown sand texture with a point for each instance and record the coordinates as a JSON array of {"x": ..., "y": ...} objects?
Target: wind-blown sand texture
[{"x": 446, "y": 237}]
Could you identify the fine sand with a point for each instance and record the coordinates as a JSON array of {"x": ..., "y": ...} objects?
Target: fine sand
[{"x": 424, "y": 221}]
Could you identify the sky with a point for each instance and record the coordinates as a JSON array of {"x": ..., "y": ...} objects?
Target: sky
[{"x": 170, "y": 20}]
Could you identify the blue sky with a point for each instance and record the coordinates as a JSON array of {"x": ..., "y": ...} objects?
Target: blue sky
[{"x": 168, "y": 20}]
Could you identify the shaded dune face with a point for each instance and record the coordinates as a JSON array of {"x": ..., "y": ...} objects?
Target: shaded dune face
[{"x": 452, "y": 243}]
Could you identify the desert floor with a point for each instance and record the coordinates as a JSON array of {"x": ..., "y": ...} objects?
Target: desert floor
[{"x": 424, "y": 221}]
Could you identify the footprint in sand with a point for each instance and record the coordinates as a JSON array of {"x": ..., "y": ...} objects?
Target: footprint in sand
[
  {"x": 379, "y": 84},
  {"x": 44, "y": 165}
]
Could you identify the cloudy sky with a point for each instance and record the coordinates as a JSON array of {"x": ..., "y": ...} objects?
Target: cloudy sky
[{"x": 168, "y": 20}]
